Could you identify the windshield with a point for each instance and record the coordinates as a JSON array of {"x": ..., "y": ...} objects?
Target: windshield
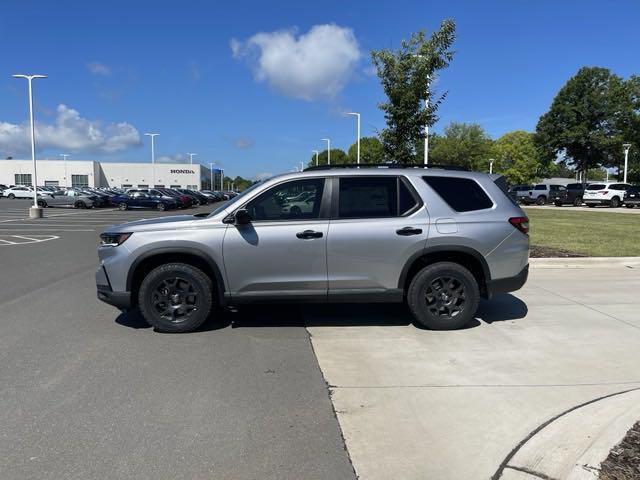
[
  {"x": 235, "y": 199},
  {"x": 596, "y": 186}
]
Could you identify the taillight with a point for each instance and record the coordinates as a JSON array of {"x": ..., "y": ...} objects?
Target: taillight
[{"x": 521, "y": 223}]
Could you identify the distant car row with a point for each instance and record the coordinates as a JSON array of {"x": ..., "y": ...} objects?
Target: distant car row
[
  {"x": 155, "y": 198},
  {"x": 612, "y": 194}
]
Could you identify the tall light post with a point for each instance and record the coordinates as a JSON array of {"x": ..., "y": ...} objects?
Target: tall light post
[
  {"x": 153, "y": 151},
  {"x": 357, "y": 115},
  {"x": 64, "y": 157},
  {"x": 426, "y": 127},
  {"x": 35, "y": 211},
  {"x": 191, "y": 155},
  {"x": 490, "y": 165},
  {"x": 328, "y": 140},
  {"x": 221, "y": 179},
  {"x": 317, "y": 153},
  {"x": 211, "y": 173},
  {"x": 627, "y": 147},
  {"x": 302, "y": 166}
]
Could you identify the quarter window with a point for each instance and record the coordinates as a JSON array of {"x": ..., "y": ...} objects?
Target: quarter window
[
  {"x": 461, "y": 194},
  {"x": 296, "y": 200}
]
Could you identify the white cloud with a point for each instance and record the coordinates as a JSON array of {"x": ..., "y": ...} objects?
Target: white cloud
[
  {"x": 316, "y": 64},
  {"x": 98, "y": 68},
  {"x": 177, "y": 158},
  {"x": 70, "y": 132},
  {"x": 243, "y": 143}
]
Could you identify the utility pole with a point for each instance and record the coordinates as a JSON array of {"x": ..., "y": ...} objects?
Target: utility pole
[{"x": 627, "y": 147}]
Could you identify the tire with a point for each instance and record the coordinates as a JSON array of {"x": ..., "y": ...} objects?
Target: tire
[
  {"x": 591, "y": 205},
  {"x": 123, "y": 206},
  {"x": 162, "y": 292},
  {"x": 433, "y": 278},
  {"x": 160, "y": 207},
  {"x": 11, "y": 196},
  {"x": 629, "y": 206},
  {"x": 295, "y": 211},
  {"x": 615, "y": 202},
  {"x": 577, "y": 202},
  {"x": 80, "y": 204},
  {"x": 42, "y": 203},
  {"x": 558, "y": 204},
  {"x": 541, "y": 200}
]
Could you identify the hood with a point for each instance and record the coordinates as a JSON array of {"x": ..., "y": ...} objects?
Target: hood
[{"x": 161, "y": 223}]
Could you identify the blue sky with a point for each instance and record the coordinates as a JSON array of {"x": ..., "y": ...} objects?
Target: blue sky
[{"x": 118, "y": 69}]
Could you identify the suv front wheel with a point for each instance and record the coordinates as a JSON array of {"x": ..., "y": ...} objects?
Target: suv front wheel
[
  {"x": 443, "y": 296},
  {"x": 176, "y": 297}
]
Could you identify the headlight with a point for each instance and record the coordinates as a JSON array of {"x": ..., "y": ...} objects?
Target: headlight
[{"x": 113, "y": 239}]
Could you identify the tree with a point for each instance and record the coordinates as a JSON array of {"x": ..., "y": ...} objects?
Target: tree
[
  {"x": 590, "y": 118},
  {"x": 405, "y": 75},
  {"x": 516, "y": 157},
  {"x": 338, "y": 157},
  {"x": 463, "y": 144},
  {"x": 371, "y": 151}
]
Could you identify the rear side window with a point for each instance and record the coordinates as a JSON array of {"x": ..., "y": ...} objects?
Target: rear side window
[
  {"x": 368, "y": 197},
  {"x": 596, "y": 186},
  {"x": 462, "y": 194}
]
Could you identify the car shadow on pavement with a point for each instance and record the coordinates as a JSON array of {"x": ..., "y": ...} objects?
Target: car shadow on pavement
[{"x": 500, "y": 308}]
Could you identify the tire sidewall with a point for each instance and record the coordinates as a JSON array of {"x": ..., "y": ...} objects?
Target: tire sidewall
[
  {"x": 416, "y": 296},
  {"x": 198, "y": 279},
  {"x": 122, "y": 207}
]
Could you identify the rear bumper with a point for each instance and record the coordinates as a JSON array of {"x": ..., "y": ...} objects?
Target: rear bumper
[
  {"x": 596, "y": 201},
  {"x": 509, "y": 284}
]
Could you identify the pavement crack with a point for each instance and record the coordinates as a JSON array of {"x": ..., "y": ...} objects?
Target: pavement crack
[{"x": 531, "y": 472}]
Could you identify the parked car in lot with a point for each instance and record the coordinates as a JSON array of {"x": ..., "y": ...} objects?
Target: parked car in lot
[
  {"x": 519, "y": 192},
  {"x": 540, "y": 193},
  {"x": 570, "y": 195},
  {"x": 142, "y": 200},
  {"x": 2, "y": 189},
  {"x": 388, "y": 234},
  {"x": 605, "y": 193},
  {"x": 200, "y": 198},
  {"x": 19, "y": 192},
  {"x": 184, "y": 201},
  {"x": 70, "y": 198},
  {"x": 632, "y": 196}
]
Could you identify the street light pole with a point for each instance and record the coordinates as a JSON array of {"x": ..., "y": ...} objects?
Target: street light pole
[
  {"x": 35, "y": 212},
  {"x": 358, "y": 137},
  {"x": 64, "y": 157},
  {"x": 490, "y": 165},
  {"x": 153, "y": 153},
  {"x": 221, "y": 179},
  {"x": 317, "y": 153},
  {"x": 627, "y": 147},
  {"x": 211, "y": 174},
  {"x": 328, "y": 140},
  {"x": 191, "y": 155},
  {"x": 426, "y": 126}
]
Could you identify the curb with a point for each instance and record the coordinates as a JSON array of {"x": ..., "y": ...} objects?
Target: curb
[{"x": 584, "y": 262}]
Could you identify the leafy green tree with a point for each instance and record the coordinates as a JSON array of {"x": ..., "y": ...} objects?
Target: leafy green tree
[
  {"x": 516, "y": 157},
  {"x": 405, "y": 75},
  {"x": 338, "y": 157},
  {"x": 371, "y": 151},
  {"x": 590, "y": 118},
  {"x": 462, "y": 144}
]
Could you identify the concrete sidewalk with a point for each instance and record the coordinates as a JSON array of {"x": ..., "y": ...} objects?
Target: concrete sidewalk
[{"x": 415, "y": 403}]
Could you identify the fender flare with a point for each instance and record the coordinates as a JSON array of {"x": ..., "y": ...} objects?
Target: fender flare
[
  {"x": 191, "y": 251},
  {"x": 444, "y": 249}
]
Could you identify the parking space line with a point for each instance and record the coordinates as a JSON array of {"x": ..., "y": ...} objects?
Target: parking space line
[
  {"x": 26, "y": 238},
  {"x": 7, "y": 242}
]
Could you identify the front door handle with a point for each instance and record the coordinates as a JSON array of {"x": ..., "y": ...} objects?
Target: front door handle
[
  {"x": 406, "y": 231},
  {"x": 309, "y": 234}
]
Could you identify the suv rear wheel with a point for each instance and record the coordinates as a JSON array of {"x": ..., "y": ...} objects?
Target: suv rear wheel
[
  {"x": 443, "y": 296},
  {"x": 541, "y": 200},
  {"x": 176, "y": 297}
]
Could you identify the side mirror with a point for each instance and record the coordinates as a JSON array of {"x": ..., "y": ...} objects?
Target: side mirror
[{"x": 242, "y": 217}]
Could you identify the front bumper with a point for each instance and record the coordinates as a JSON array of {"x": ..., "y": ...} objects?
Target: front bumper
[
  {"x": 509, "y": 284},
  {"x": 120, "y": 300}
]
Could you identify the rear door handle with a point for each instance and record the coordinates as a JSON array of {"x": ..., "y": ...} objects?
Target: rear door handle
[
  {"x": 406, "y": 231},
  {"x": 309, "y": 234}
]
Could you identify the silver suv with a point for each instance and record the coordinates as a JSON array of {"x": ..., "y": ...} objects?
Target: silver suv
[{"x": 434, "y": 238}]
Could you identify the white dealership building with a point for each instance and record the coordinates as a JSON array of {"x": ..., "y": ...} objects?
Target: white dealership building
[{"x": 89, "y": 173}]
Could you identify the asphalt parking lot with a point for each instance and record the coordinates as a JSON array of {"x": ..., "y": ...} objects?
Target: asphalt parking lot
[{"x": 89, "y": 393}]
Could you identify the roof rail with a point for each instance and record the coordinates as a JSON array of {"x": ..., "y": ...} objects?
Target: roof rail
[{"x": 386, "y": 165}]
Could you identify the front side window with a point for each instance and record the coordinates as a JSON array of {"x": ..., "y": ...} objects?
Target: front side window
[
  {"x": 295, "y": 200},
  {"x": 461, "y": 194}
]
